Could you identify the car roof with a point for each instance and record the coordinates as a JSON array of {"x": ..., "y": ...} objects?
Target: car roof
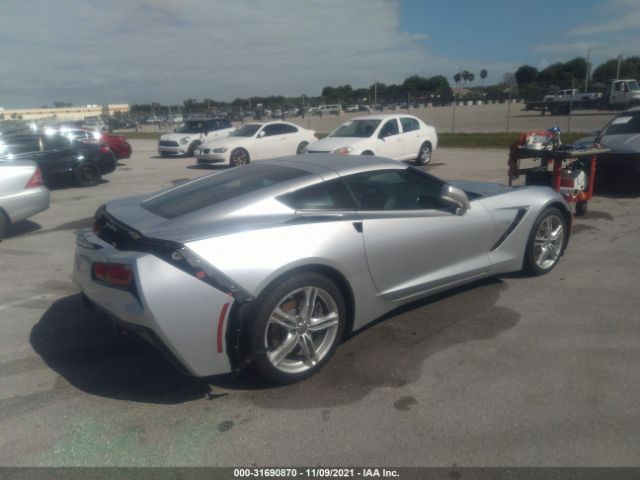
[
  {"x": 319, "y": 163},
  {"x": 382, "y": 116}
]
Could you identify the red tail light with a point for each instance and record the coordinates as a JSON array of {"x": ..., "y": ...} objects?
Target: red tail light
[
  {"x": 35, "y": 180},
  {"x": 104, "y": 149},
  {"x": 114, "y": 274},
  {"x": 100, "y": 271},
  {"x": 120, "y": 275}
]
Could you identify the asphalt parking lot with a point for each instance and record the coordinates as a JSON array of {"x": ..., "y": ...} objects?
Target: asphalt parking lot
[{"x": 509, "y": 371}]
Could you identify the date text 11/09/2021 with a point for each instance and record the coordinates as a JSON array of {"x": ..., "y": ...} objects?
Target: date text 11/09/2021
[{"x": 314, "y": 472}]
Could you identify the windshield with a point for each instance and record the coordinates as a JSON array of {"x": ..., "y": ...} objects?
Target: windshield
[
  {"x": 633, "y": 85},
  {"x": 356, "y": 128},
  {"x": 190, "y": 127},
  {"x": 625, "y": 124},
  {"x": 246, "y": 130}
]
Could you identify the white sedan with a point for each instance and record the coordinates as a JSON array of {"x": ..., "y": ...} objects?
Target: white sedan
[
  {"x": 401, "y": 137},
  {"x": 256, "y": 141}
]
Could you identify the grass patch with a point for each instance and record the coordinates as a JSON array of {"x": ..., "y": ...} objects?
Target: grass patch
[{"x": 491, "y": 140}]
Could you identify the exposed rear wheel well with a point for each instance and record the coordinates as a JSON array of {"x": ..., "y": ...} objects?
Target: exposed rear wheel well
[
  {"x": 236, "y": 344},
  {"x": 568, "y": 218}
]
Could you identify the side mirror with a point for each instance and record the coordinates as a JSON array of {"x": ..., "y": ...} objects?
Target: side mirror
[
  {"x": 456, "y": 197},
  {"x": 261, "y": 134}
]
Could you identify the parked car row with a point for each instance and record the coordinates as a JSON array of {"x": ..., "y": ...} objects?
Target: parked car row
[
  {"x": 31, "y": 161},
  {"x": 215, "y": 141}
]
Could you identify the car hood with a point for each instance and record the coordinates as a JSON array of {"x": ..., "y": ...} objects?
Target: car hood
[
  {"x": 481, "y": 189},
  {"x": 629, "y": 143},
  {"x": 177, "y": 136},
  {"x": 227, "y": 142},
  {"x": 329, "y": 144}
]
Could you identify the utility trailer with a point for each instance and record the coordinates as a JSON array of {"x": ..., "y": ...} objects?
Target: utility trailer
[{"x": 568, "y": 169}]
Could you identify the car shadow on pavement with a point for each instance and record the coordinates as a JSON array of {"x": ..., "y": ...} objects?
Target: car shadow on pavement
[
  {"x": 83, "y": 347},
  {"x": 208, "y": 167},
  {"x": 22, "y": 228}
]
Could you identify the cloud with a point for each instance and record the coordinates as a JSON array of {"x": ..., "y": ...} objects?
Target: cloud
[
  {"x": 613, "y": 16},
  {"x": 88, "y": 51}
]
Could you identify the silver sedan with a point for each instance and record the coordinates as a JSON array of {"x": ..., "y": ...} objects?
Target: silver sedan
[
  {"x": 269, "y": 265},
  {"x": 22, "y": 192}
]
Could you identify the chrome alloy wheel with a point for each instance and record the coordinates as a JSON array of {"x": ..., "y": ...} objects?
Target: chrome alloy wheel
[
  {"x": 301, "y": 329},
  {"x": 549, "y": 240},
  {"x": 239, "y": 157}
]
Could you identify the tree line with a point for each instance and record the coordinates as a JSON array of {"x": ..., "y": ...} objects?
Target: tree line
[{"x": 528, "y": 82}]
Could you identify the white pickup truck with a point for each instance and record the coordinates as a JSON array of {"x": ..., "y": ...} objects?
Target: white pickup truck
[{"x": 569, "y": 95}]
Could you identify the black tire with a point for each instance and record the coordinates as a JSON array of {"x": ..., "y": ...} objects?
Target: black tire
[
  {"x": 192, "y": 148},
  {"x": 367, "y": 152},
  {"x": 424, "y": 155},
  {"x": 87, "y": 174},
  {"x": 263, "y": 332},
  {"x": 239, "y": 157},
  {"x": 302, "y": 148},
  {"x": 4, "y": 224},
  {"x": 532, "y": 265},
  {"x": 581, "y": 208}
]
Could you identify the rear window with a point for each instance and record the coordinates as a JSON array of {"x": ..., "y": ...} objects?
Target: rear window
[{"x": 219, "y": 188}]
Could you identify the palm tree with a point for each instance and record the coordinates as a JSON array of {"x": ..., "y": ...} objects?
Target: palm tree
[
  {"x": 483, "y": 75},
  {"x": 456, "y": 78}
]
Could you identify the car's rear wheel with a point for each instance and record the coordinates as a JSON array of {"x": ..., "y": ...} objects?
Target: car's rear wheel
[
  {"x": 367, "y": 152},
  {"x": 296, "y": 326},
  {"x": 239, "y": 157},
  {"x": 546, "y": 242},
  {"x": 424, "y": 155},
  {"x": 87, "y": 174},
  {"x": 302, "y": 148}
]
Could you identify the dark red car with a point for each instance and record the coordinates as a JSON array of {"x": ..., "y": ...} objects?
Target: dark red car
[{"x": 118, "y": 144}]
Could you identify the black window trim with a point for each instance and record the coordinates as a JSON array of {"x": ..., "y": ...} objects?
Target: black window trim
[{"x": 410, "y": 212}]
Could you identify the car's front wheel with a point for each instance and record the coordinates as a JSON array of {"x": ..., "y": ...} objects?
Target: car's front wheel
[
  {"x": 239, "y": 157},
  {"x": 424, "y": 155},
  {"x": 296, "y": 326},
  {"x": 546, "y": 242}
]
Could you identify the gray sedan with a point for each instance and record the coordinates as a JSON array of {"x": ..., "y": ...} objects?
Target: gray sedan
[
  {"x": 269, "y": 265},
  {"x": 22, "y": 192}
]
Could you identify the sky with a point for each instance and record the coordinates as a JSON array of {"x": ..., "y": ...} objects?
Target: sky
[{"x": 142, "y": 51}]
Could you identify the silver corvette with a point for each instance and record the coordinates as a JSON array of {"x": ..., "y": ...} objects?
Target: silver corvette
[{"x": 270, "y": 264}]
